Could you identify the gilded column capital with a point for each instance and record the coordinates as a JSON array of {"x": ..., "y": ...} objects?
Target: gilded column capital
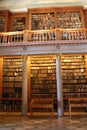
[
  {"x": 58, "y": 56},
  {"x": 24, "y": 57}
]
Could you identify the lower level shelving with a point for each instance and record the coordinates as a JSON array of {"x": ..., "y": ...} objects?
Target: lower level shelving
[{"x": 42, "y": 79}]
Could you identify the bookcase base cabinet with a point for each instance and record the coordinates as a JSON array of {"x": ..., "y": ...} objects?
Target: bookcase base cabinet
[
  {"x": 11, "y": 84},
  {"x": 10, "y": 105}
]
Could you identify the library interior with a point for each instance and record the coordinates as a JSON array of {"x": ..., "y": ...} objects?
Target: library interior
[{"x": 43, "y": 65}]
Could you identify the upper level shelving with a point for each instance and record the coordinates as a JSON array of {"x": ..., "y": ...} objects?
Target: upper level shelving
[
  {"x": 70, "y": 17},
  {"x": 43, "y": 24}
]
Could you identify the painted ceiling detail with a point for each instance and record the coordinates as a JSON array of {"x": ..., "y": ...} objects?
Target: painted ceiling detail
[{"x": 23, "y": 5}]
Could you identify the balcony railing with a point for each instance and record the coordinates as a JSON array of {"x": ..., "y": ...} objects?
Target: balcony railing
[{"x": 43, "y": 35}]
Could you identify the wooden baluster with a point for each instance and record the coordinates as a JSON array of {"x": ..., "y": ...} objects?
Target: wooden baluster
[
  {"x": 81, "y": 35},
  {"x": 14, "y": 38},
  {"x": 65, "y": 36},
  {"x": 37, "y": 36},
  {"x": 61, "y": 35},
  {"x": 76, "y": 34},
  {"x": 8, "y": 39},
  {"x": 19, "y": 39},
  {"x": 70, "y": 33},
  {"x": 3, "y": 38},
  {"x": 11, "y": 36},
  {"x": 47, "y": 36},
  {"x": 40, "y": 36},
  {"x": 43, "y": 36},
  {"x": 33, "y": 36}
]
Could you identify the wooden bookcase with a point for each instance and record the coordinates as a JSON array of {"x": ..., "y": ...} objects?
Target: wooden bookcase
[
  {"x": 43, "y": 77},
  {"x": 41, "y": 18},
  {"x": 4, "y": 20},
  {"x": 57, "y": 17},
  {"x": 74, "y": 78},
  {"x": 43, "y": 21},
  {"x": 12, "y": 83},
  {"x": 70, "y": 17},
  {"x": 18, "y": 22}
]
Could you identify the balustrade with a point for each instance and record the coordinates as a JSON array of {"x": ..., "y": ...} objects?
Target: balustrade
[
  {"x": 11, "y": 37},
  {"x": 43, "y": 35}
]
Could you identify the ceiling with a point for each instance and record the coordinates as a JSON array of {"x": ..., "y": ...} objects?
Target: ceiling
[{"x": 23, "y": 5}]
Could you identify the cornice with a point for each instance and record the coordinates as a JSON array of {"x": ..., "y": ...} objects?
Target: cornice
[
  {"x": 44, "y": 43},
  {"x": 52, "y": 47}
]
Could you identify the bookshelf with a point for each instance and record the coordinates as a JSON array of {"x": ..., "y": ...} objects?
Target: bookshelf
[
  {"x": 43, "y": 18},
  {"x": 69, "y": 20},
  {"x": 57, "y": 17},
  {"x": 12, "y": 83},
  {"x": 74, "y": 79},
  {"x": 18, "y": 21},
  {"x": 43, "y": 21},
  {"x": 43, "y": 77},
  {"x": 70, "y": 17},
  {"x": 18, "y": 24}
]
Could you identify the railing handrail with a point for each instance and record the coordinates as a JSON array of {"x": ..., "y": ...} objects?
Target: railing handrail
[{"x": 11, "y": 33}]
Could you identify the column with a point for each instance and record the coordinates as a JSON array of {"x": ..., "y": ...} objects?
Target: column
[
  {"x": 24, "y": 87},
  {"x": 59, "y": 86}
]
